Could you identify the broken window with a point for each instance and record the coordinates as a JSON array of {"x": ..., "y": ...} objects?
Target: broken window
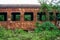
[
  {"x": 3, "y": 16},
  {"x": 28, "y": 16},
  {"x": 41, "y": 16},
  {"x": 15, "y": 16},
  {"x": 58, "y": 16},
  {"x": 51, "y": 16}
]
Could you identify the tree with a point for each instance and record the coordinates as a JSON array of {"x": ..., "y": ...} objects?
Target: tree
[
  {"x": 47, "y": 5},
  {"x": 44, "y": 7},
  {"x": 55, "y": 5}
]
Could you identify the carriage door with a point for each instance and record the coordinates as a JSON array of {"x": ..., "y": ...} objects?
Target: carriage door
[{"x": 58, "y": 19}]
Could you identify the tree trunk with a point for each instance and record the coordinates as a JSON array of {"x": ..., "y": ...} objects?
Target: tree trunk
[
  {"x": 47, "y": 14},
  {"x": 54, "y": 11}
]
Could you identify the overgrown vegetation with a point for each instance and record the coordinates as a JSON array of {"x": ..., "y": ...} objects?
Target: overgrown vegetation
[
  {"x": 43, "y": 18},
  {"x": 45, "y": 26},
  {"x": 1, "y": 17},
  {"x": 45, "y": 31},
  {"x": 49, "y": 6}
]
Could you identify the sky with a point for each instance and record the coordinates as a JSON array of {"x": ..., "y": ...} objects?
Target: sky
[{"x": 19, "y": 2}]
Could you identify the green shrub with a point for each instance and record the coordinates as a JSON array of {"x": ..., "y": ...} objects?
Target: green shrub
[
  {"x": 48, "y": 35},
  {"x": 48, "y": 26},
  {"x": 45, "y": 26},
  {"x": 19, "y": 34},
  {"x": 19, "y": 31},
  {"x": 2, "y": 31}
]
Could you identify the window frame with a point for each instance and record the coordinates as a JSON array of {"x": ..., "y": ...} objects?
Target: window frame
[
  {"x": 5, "y": 16},
  {"x": 51, "y": 13},
  {"x": 40, "y": 16},
  {"x": 29, "y": 13},
  {"x": 13, "y": 15},
  {"x": 56, "y": 16}
]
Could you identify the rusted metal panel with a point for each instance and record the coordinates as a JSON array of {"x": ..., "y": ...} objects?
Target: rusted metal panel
[{"x": 26, "y": 25}]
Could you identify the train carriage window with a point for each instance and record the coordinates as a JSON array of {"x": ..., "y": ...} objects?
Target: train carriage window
[
  {"x": 58, "y": 16},
  {"x": 3, "y": 16},
  {"x": 15, "y": 16},
  {"x": 28, "y": 16},
  {"x": 41, "y": 16},
  {"x": 51, "y": 16}
]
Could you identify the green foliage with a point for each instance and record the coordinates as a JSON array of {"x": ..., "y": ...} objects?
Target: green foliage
[
  {"x": 27, "y": 17},
  {"x": 1, "y": 17},
  {"x": 19, "y": 34},
  {"x": 45, "y": 6},
  {"x": 51, "y": 17},
  {"x": 56, "y": 6},
  {"x": 49, "y": 35},
  {"x": 49, "y": 5},
  {"x": 18, "y": 31},
  {"x": 49, "y": 26},
  {"x": 45, "y": 26},
  {"x": 37, "y": 24},
  {"x": 18, "y": 17},
  {"x": 58, "y": 9},
  {"x": 43, "y": 18}
]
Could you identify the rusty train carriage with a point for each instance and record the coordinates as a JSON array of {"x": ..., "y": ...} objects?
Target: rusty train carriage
[{"x": 8, "y": 9}]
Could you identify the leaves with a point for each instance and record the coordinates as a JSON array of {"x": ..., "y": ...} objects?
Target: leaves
[
  {"x": 1, "y": 17},
  {"x": 27, "y": 17},
  {"x": 49, "y": 5},
  {"x": 43, "y": 18},
  {"x": 45, "y": 26},
  {"x": 19, "y": 34}
]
